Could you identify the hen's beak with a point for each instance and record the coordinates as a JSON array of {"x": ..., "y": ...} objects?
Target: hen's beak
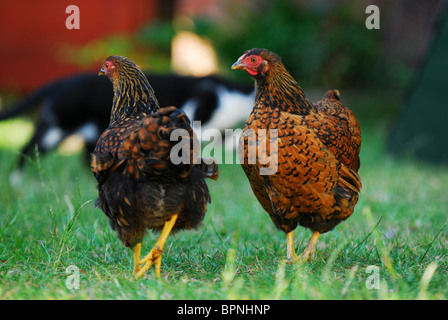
[
  {"x": 238, "y": 65},
  {"x": 102, "y": 72}
]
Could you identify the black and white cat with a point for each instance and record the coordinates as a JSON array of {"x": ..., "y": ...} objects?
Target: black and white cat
[{"x": 81, "y": 104}]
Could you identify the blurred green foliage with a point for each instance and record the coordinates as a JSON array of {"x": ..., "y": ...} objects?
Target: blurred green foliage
[
  {"x": 320, "y": 45},
  {"x": 149, "y": 47}
]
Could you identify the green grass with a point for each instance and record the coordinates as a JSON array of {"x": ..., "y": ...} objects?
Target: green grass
[{"x": 48, "y": 222}]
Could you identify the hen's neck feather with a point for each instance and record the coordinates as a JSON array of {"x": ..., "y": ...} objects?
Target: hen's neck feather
[
  {"x": 133, "y": 95},
  {"x": 283, "y": 91}
]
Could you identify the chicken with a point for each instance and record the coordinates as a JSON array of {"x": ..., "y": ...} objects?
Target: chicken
[
  {"x": 310, "y": 177},
  {"x": 146, "y": 180}
]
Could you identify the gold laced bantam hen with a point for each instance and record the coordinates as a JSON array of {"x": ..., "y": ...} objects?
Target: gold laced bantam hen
[
  {"x": 308, "y": 173},
  {"x": 147, "y": 179}
]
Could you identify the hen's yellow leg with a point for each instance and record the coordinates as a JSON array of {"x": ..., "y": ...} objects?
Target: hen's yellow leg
[
  {"x": 136, "y": 250},
  {"x": 155, "y": 255},
  {"x": 290, "y": 252},
  {"x": 311, "y": 247}
]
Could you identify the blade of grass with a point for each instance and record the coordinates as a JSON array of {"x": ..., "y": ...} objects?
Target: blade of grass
[{"x": 430, "y": 244}]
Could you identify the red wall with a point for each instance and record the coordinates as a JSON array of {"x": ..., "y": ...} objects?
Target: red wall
[{"x": 32, "y": 32}]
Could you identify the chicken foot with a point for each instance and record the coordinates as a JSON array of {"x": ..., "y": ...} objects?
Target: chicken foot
[
  {"x": 155, "y": 255},
  {"x": 307, "y": 253}
]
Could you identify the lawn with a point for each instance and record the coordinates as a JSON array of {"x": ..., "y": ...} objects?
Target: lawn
[{"x": 395, "y": 245}]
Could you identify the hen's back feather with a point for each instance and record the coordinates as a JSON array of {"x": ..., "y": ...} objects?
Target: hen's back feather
[{"x": 338, "y": 129}]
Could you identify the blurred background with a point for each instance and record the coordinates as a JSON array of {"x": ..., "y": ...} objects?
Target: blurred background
[
  {"x": 383, "y": 75},
  {"x": 393, "y": 78}
]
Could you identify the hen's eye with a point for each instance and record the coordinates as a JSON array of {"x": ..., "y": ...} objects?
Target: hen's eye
[{"x": 253, "y": 59}]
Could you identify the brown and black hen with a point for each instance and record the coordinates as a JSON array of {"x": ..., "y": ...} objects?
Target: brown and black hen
[
  {"x": 146, "y": 180},
  {"x": 310, "y": 176}
]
